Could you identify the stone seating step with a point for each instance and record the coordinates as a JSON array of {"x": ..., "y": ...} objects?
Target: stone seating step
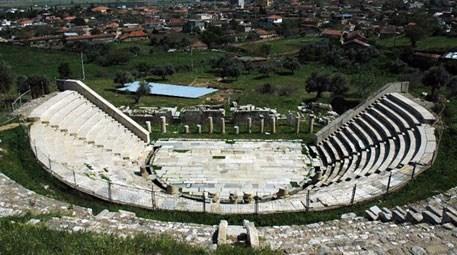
[
  {"x": 356, "y": 140},
  {"x": 347, "y": 143},
  {"x": 82, "y": 114},
  {"x": 66, "y": 111},
  {"x": 332, "y": 151},
  {"x": 416, "y": 109},
  {"x": 393, "y": 115},
  {"x": 55, "y": 108},
  {"x": 411, "y": 151},
  {"x": 400, "y": 144},
  {"x": 382, "y": 154},
  {"x": 410, "y": 118},
  {"x": 382, "y": 130},
  {"x": 361, "y": 132},
  {"x": 373, "y": 132},
  {"x": 386, "y": 120},
  {"x": 339, "y": 147},
  {"x": 421, "y": 142},
  {"x": 41, "y": 109},
  {"x": 389, "y": 157}
]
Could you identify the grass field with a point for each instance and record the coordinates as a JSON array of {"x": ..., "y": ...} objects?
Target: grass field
[
  {"x": 282, "y": 46},
  {"x": 438, "y": 43},
  {"x": 19, "y": 238},
  {"x": 28, "y": 61}
]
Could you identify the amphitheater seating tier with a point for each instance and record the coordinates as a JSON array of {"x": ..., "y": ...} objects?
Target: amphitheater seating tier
[
  {"x": 74, "y": 115},
  {"x": 390, "y": 137},
  {"x": 392, "y": 132}
]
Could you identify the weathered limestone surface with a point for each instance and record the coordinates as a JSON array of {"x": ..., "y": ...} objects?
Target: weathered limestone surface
[
  {"x": 243, "y": 166},
  {"x": 15, "y": 200},
  {"x": 353, "y": 235},
  {"x": 222, "y": 232}
]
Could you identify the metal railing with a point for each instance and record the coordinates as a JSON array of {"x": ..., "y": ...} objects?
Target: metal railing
[
  {"x": 17, "y": 103},
  {"x": 94, "y": 183}
]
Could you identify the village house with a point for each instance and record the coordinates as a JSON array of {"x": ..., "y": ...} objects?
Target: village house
[
  {"x": 331, "y": 34},
  {"x": 264, "y": 34},
  {"x": 101, "y": 9},
  {"x": 274, "y": 19}
]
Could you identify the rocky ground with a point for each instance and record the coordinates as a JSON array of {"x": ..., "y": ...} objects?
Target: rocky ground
[
  {"x": 349, "y": 235},
  {"x": 358, "y": 236}
]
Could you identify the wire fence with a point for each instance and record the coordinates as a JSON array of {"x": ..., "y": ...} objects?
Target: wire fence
[
  {"x": 95, "y": 183},
  {"x": 87, "y": 180},
  {"x": 21, "y": 99}
]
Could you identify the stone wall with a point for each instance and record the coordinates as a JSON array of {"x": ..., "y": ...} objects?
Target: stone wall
[{"x": 200, "y": 116}]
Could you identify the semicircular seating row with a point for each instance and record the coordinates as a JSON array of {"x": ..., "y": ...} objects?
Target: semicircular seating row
[
  {"x": 392, "y": 132},
  {"x": 70, "y": 130}
]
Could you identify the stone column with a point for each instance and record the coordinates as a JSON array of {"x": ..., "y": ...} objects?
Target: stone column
[
  {"x": 273, "y": 124},
  {"x": 163, "y": 124},
  {"x": 148, "y": 125},
  {"x": 311, "y": 123},
  {"x": 223, "y": 126},
  {"x": 199, "y": 128},
  {"x": 250, "y": 125},
  {"x": 210, "y": 125},
  {"x": 222, "y": 232},
  {"x": 297, "y": 124},
  {"x": 262, "y": 124},
  {"x": 237, "y": 130},
  {"x": 186, "y": 129}
]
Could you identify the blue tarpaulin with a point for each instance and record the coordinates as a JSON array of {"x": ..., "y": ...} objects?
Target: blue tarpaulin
[{"x": 161, "y": 89}]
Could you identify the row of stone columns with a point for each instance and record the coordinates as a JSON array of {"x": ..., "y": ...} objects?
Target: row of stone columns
[{"x": 163, "y": 125}]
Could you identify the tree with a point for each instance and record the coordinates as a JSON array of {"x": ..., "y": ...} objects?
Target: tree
[
  {"x": 143, "y": 89},
  {"x": 266, "y": 69},
  {"x": 39, "y": 85},
  {"x": 414, "y": 33},
  {"x": 123, "y": 77},
  {"x": 452, "y": 85},
  {"x": 170, "y": 70},
  {"x": 161, "y": 71},
  {"x": 338, "y": 84},
  {"x": 435, "y": 77},
  {"x": 264, "y": 50},
  {"x": 313, "y": 52},
  {"x": 213, "y": 36},
  {"x": 233, "y": 71},
  {"x": 317, "y": 83},
  {"x": 79, "y": 21},
  {"x": 142, "y": 68},
  {"x": 266, "y": 88},
  {"x": 22, "y": 84},
  {"x": 135, "y": 50},
  {"x": 6, "y": 78},
  {"x": 64, "y": 71},
  {"x": 113, "y": 58},
  {"x": 291, "y": 64}
]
